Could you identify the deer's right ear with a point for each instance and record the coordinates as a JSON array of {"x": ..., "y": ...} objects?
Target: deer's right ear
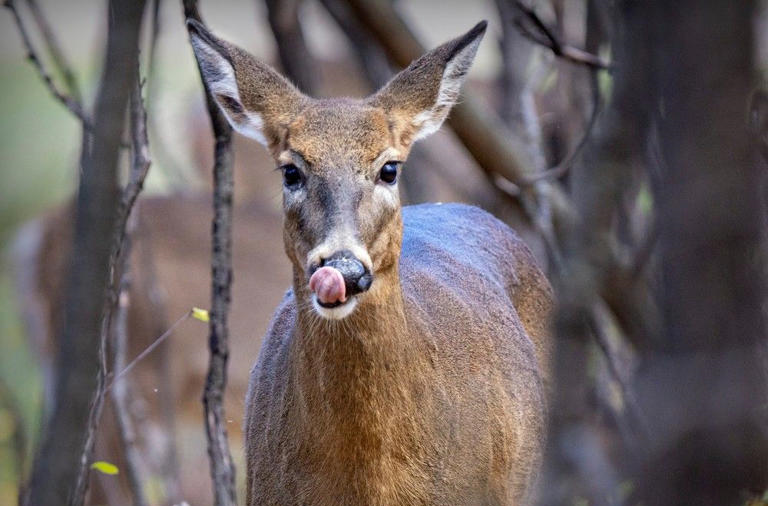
[{"x": 254, "y": 98}]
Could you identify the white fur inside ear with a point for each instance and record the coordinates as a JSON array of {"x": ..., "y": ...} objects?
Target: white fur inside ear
[
  {"x": 430, "y": 120},
  {"x": 220, "y": 79}
]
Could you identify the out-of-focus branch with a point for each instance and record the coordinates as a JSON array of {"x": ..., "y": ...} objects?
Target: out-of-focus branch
[
  {"x": 69, "y": 100},
  {"x": 140, "y": 163},
  {"x": 62, "y": 465},
  {"x": 169, "y": 470},
  {"x": 564, "y": 166},
  {"x": 758, "y": 121},
  {"x": 139, "y": 167},
  {"x": 57, "y": 55},
  {"x": 222, "y": 467},
  {"x": 369, "y": 54},
  {"x": 120, "y": 395},
  {"x": 298, "y": 63},
  {"x": 543, "y": 35}
]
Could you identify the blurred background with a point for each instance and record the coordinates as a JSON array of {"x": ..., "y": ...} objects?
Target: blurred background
[{"x": 557, "y": 115}]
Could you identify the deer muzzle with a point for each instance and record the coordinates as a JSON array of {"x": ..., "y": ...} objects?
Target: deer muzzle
[{"x": 339, "y": 277}]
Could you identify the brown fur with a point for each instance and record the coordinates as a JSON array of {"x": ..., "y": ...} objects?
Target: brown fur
[{"x": 433, "y": 389}]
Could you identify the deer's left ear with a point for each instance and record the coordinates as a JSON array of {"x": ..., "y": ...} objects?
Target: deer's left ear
[
  {"x": 419, "y": 98},
  {"x": 254, "y": 98}
]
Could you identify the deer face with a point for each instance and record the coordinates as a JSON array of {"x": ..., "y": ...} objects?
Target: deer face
[{"x": 340, "y": 159}]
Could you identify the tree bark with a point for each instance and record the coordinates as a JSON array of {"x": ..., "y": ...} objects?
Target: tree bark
[
  {"x": 701, "y": 381},
  {"x": 297, "y": 61},
  {"x": 57, "y": 464}
]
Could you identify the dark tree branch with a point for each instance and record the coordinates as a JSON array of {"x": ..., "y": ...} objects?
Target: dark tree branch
[
  {"x": 54, "y": 49},
  {"x": 543, "y": 35},
  {"x": 562, "y": 168},
  {"x": 71, "y": 100},
  {"x": 222, "y": 467},
  {"x": 61, "y": 468},
  {"x": 707, "y": 447},
  {"x": 297, "y": 61},
  {"x": 758, "y": 121},
  {"x": 118, "y": 260},
  {"x": 369, "y": 54}
]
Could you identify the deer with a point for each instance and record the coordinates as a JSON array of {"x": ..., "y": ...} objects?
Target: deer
[{"x": 409, "y": 361}]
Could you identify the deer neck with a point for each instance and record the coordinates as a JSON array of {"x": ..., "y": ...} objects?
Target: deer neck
[{"x": 353, "y": 366}]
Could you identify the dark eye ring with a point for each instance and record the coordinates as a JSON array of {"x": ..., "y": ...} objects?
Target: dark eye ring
[
  {"x": 388, "y": 172},
  {"x": 291, "y": 175}
]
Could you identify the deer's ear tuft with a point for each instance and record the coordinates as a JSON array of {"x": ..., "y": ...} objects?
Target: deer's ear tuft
[{"x": 422, "y": 95}]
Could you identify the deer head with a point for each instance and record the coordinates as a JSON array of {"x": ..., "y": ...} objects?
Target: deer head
[{"x": 340, "y": 160}]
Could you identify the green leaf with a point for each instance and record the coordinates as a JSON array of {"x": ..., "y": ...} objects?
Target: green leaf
[{"x": 105, "y": 467}]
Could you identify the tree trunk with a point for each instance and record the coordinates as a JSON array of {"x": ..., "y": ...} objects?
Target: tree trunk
[
  {"x": 56, "y": 467},
  {"x": 701, "y": 382}
]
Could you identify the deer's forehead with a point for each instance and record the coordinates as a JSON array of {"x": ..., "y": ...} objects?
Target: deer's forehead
[{"x": 329, "y": 133}]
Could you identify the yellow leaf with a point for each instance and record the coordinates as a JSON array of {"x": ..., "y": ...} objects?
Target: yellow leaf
[
  {"x": 200, "y": 314},
  {"x": 105, "y": 467}
]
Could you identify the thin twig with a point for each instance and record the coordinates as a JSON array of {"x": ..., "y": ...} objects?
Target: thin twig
[
  {"x": 54, "y": 49},
  {"x": 544, "y": 36},
  {"x": 597, "y": 316},
  {"x": 126, "y": 432},
  {"x": 169, "y": 467},
  {"x": 296, "y": 59},
  {"x": 564, "y": 166},
  {"x": 73, "y": 105},
  {"x": 222, "y": 467},
  {"x": 149, "y": 349},
  {"x": 117, "y": 260}
]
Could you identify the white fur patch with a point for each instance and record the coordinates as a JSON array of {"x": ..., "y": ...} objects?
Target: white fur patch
[
  {"x": 335, "y": 313},
  {"x": 386, "y": 195}
]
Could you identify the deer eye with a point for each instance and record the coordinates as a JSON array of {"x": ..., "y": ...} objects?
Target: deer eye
[
  {"x": 291, "y": 175},
  {"x": 388, "y": 172}
]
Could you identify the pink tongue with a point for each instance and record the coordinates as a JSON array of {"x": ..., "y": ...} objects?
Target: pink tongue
[{"x": 328, "y": 285}]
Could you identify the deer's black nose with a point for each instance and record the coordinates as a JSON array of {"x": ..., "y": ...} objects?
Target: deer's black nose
[{"x": 357, "y": 278}]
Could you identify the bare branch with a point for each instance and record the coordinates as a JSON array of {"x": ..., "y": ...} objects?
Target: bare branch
[
  {"x": 369, "y": 54},
  {"x": 222, "y": 467},
  {"x": 58, "y": 477},
  {"x": 140, "y": 163},
  {"x": 758, "y": 121},
  {"x": 57, "y": 55},
  {"x": 564, "y": 166},
  {"x": 70, "y": 102},
  {"x": 297, "y": 62},
  {"x": 149, "y": 349},
  {"x": 543, "y": 35},
  {"x": 120, "y": 401}
]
